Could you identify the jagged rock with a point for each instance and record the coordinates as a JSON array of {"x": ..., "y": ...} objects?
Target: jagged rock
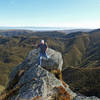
[
  {"x": 41, "y": 87},
  {"x": 44, "y": 82},
  {"x": 54, "y": 62},
  {"x": 35, "y": 82},
  {"x": 85, "y": 98}
]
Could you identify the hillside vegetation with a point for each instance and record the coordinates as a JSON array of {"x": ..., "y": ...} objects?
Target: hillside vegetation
[{"x": 80, "y": 50}]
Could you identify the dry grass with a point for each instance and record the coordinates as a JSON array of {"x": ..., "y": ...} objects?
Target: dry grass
[
  {"x": 58, "y": 74},
  {"x": 1, "y": 88},
  {"x": 36, "y": 98},
  {"x": 61, "y": 94}
]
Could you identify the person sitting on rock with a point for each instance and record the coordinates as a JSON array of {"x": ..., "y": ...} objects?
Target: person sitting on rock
[{"x": 43, "y": 48}]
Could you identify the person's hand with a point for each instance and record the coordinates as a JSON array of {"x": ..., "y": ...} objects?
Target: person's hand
[{"x": 47, "y": 49}]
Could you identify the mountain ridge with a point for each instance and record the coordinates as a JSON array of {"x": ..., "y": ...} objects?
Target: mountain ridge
[
  {"x": 40, "y": 83},
  {"x": 79, "y": 50}
]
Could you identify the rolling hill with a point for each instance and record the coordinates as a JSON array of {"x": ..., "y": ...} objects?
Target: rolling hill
[{"x": 80, "y": 50}]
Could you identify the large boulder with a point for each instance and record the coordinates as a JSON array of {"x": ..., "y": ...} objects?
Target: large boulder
[
  {"x": 36, "y": 80},
  {"x": 29, "y": 81},
  {"x": 55, "y": 60},
  {"x": 43, "y": 86}
]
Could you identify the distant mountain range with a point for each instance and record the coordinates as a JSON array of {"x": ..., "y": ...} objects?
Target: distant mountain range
[
  {"x": 62, "y": 29},
  {"x": 77, "y": 30}
]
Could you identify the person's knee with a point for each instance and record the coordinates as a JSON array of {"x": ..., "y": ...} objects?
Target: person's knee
[
  {"x": 47, "y": 56},
  {"x": 40, "y": 57}
]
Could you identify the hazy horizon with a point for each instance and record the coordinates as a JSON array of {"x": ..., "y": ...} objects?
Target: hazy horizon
[{"x": 43, "y": 28}]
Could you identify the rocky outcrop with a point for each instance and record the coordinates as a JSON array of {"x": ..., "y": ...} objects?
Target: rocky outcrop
[
  {"x": 43, "y": 86},
  {"x": 28, "y": 81},
  {"x": 85, "y": 98},
  {"x": 55, "y": 61}
]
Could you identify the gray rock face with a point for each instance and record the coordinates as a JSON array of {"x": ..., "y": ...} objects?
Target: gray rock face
[
  {"x": 40, "y": 87},
  {"x": 54, "y": 62},
  {"x": 85, "y": 98},
  {"x": 36, "y": 82}
]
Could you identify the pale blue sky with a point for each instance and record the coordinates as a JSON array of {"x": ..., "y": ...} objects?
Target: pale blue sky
[{"x": 58, "y": 13}]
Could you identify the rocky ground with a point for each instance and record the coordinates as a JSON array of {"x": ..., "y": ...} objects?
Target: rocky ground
[{"x": 28, "y": 81}]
